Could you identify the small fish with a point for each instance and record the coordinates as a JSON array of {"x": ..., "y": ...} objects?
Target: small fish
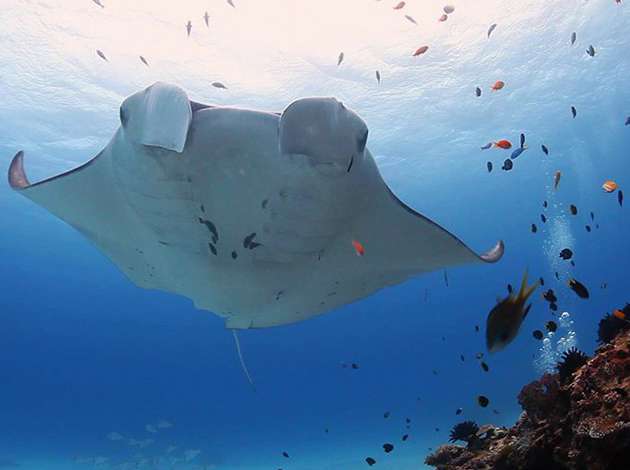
[
  {"x": 421, "y": 50},
  {"x": 487, "y": 146},
  {"x": 543, "y": 218},
  {"x": 538, "y": 334},
  {"x": 517, "y": 152},
  {"x": 188, "y": 27},
  {"x": 620, "y": 198},
  {"x": 484, "y": 366},
  {"x": 458, "y": 411},
  {"x": 448, "y": 9},
  {"x": 566, "y": 254},
  {"x": 461, "y": 356},
  {"x": 592, "y": 216},
  {"x": 591, "y": 51},
  {"x": 206, "y": 18},
  {"x": 489, "y": 166},
  {"x": 219, "y": 85},
  {"x": 505, "y": 319},
  {"x": 573, "y": 209},
  {"x": 405, "y": 437},
  {"x": 370, "y": 461},
  {"x": 231, "y": 3},
  {"x": 399, "y": 6},
  {"x": 510, "y": 289},
  {"x": 534, "y": 228},
  {"x": 544, "y": 149},
  {"x": 378, "y": 77},
  {"x": 550, "y": 296},
  {"x": 551, "y": 326},
  {"x": 503, "y": 144},
  {"x": 446, "y": 278},
  {"x": 573, "y": 111},
  {"x": 101, "y": 55},
  {"x": 523, "y": 140},
  {"x": 477, "y": 328},
  {"x": 410, "y": 18},
  {"x": 388, "y": 448},
  {"x": 498, "y": 85},
  {"x": 478, "y": 93},
  {"x": 609, "y": 186},
  {"x": 545, "y": 204},
  {"x": 144, "y": 61},
  {"x": 507, "y": 165},
  {"x": 491, "y": 29},
  {"x": 579, "y": 288},
  {"x": 354, "y": 366},
  {"x": 573, "y": 37},
  {"x": 98, "y": 2},
  {"x": 483, "y": 401},
  {"x": 556, "y": 179},
  {"x": 340, "y": 59},
  {"x": 588, "y": 228},
  {"x": 358, "y": 248},
  {"x": 443, "y": 18},
  {"x": 542, "y": 281}
]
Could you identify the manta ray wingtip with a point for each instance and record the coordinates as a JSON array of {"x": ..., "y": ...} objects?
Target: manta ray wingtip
[
  {"x": 17, "y": 176},
  {"x": 495, "y": 254}
]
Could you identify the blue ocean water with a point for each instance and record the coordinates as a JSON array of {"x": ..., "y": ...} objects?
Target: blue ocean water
[{"x": 84, "y": 353}]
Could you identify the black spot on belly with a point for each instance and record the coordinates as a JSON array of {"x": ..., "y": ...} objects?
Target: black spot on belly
[
  {"x": 211, "y": 227},
  {"x": 212, "y": 249},
  {"x": 234, "y": 255}
]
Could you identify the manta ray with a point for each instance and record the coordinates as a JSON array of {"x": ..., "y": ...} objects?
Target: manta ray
[{"x": 251, "y": 215}]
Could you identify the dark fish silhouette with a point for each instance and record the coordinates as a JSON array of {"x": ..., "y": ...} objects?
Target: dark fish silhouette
[
  {"x": 206, "y": 18},
  {"x": 591, "y": 51},
  {"x": 579, "y": 288},
  {"x": 489, "y": 166},
  {"x": 491, "y": 28},
  {"x": 478, "y": 93},
  {"x": 566, "y": 254},
  {"x": 483, "y": 401},
  {"x": 144, "y": 61},
  {"x": 573, "y": 37},
  {"x": 101, "y": 55},
  {"x": 573, "y": 111},
  {"x": 545, "y": 149}
]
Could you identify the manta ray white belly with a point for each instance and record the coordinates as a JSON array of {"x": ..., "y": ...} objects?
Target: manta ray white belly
[{"x": 251, "y": 215}]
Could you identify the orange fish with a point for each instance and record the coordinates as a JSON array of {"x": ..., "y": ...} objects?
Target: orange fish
[
  {"x": 399, "y": 6},
  {"x": 443, "y": 18},
  {"x": 619, "y": 314},
  {"x": 556, "y": 179},
  {"x": 421, "y": 50},
  {"x": 358, "y": 248},
  {"x": 498, "y": 85},
  {"x": 609, "y": 186},
  {"x": 504, "y": 144}
]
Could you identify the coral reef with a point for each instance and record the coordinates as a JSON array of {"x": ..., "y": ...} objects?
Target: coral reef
[{"x": 580, "y": 423}]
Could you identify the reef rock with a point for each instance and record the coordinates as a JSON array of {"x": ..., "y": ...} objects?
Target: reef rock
[{"x": 583, "y": 423}]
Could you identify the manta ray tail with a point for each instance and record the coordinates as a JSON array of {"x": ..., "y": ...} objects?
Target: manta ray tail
[{"x": 240, "y": 357}]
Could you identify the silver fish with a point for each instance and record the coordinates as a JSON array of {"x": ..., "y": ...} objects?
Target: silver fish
[
  {"x": 491, "y": 28},
  {"x": 219, "y": 85},
  {"x": 101, "y": 55},
  {"x": 340, "y": 59}
]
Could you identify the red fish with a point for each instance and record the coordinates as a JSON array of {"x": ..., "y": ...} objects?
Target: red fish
[
  {"x": 498, "y": 85},
  {"x": 421, "y": 50},
  {"x": 358, "y": 248},
  {"x": 399, "y": 6},
  {"x": 504, "y": 144},
  {"x": 443, "y": 18}
]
